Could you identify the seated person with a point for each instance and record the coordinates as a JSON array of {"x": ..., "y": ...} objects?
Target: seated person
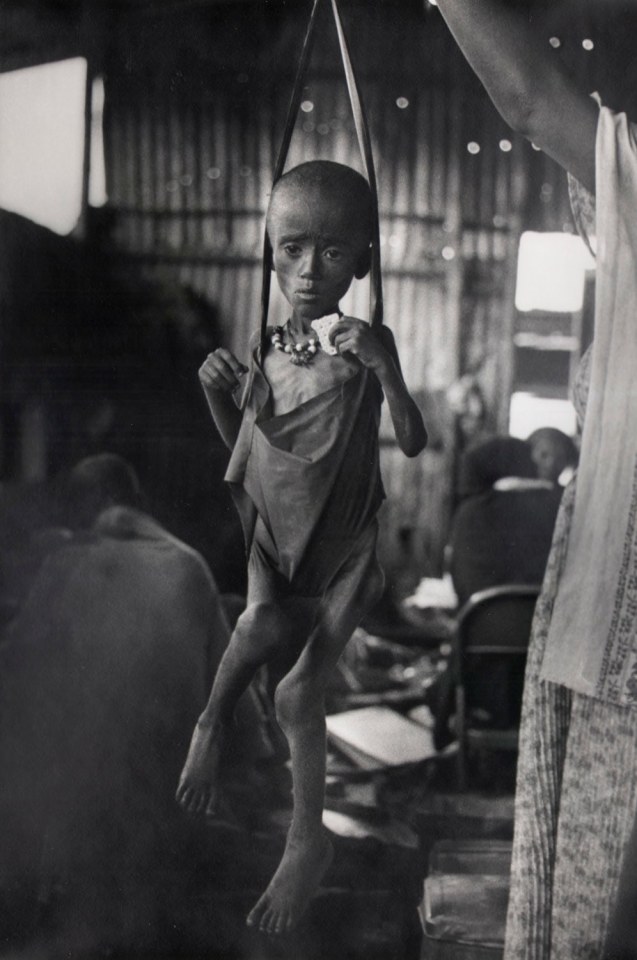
[
  {"x": 103, "y": 672},
  {"x": 501, "y": 533},
  {"x": 553, "y": 452}
]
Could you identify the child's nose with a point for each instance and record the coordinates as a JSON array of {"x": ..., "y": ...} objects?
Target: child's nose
[{"x": 311, "y": 264}]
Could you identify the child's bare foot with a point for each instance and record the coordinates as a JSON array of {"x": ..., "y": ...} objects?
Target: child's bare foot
[
  {"x": 295, "y": 882},
  {"x": 199, "y": 791}
]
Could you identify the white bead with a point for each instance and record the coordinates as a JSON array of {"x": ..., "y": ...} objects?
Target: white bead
[
  {"x": 288, "y": 348},
  {"x": 312, "y": 348},
  {"x": 298, "y": 347}
]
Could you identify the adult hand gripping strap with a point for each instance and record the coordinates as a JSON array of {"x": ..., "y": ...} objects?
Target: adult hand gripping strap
[{"x": 364, "y": 143}]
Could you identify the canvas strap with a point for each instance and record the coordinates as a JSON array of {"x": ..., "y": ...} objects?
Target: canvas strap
[{"x": 364, "y": 143}]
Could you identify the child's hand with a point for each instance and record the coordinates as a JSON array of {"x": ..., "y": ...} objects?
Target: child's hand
[
  {"x": 354, "y": 336},
  {"x": 221, "y": 371}
]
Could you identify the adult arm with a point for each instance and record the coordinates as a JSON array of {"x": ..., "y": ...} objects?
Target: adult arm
[
  {"x": 219, "y": 375},
  {"x": 379, "y": 354},
  {"x": 527, "y": 82}
]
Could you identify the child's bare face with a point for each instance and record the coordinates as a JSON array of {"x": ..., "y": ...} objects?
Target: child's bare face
[
  {"x": 316, "y": 249},
  {"x": 548, "y": 458}
]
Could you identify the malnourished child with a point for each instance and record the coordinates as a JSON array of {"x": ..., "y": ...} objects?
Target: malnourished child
[{"x": 305, "y": 474}]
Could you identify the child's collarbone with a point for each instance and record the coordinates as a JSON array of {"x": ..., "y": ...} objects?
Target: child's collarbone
[{"x": 292, "y": 385}]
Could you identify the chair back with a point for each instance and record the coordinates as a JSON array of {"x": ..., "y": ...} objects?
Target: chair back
[
  {"x": 498, "y": 620},
  {"x": 493, "y": 632}
]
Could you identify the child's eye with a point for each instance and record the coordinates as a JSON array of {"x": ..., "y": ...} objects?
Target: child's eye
[
  {"x": 292, "y": 249},
  {"x": 333, "y": 254}
]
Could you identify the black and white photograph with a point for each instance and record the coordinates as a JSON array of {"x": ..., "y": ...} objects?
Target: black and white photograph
[{"x": 318, "y": 480}]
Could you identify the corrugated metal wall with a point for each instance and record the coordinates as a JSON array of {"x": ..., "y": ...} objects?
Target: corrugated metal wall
[{"x": 194, "y": 112}]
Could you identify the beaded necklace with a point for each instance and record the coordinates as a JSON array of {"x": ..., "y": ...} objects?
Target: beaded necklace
[{"x": 301, "y": 354}]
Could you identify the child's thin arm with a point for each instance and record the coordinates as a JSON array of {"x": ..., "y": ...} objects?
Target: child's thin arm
[
  {"x": 408, "y": 424},
  {"x": 219, "y": 375},
  {"x": 356, "y": 337}
]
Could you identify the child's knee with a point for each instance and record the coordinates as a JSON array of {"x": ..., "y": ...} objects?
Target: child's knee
[
  {"x": 295, "y": 702},
  {"x": 262, "y": 616},
  {"x": 265, "y": 621}
]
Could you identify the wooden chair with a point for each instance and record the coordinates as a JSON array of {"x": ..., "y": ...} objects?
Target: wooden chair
[{"x": 494, "y": 622}]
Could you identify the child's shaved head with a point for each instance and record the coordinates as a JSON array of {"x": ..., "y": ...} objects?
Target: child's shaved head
[{"x": 331, "y": 184}]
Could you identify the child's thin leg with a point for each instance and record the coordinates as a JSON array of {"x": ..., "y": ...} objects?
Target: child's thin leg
[
  {"x": 261, "y": 632},
  {"x": 300, "y": 704}
]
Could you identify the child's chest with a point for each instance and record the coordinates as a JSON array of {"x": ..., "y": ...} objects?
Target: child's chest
[{"x": 291, "y": 384}]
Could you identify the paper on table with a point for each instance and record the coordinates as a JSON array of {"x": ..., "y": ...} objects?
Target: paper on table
[
  {"x": 379, "y": 736},
  {"x": 433, "y": 592}
]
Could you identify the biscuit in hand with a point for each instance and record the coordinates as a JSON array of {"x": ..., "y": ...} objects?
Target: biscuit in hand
[{"x": 322, "y": 326}]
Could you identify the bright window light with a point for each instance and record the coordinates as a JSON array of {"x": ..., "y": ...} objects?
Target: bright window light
[
  {"x": 42, "y": 137},
  {"x": 528, "y": 413},
  {"x": 97, "y": 177},
  {"x": 551, "y": 272}
]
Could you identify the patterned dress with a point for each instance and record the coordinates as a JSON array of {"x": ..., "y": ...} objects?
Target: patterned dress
[{"x": 576, "y": 792}]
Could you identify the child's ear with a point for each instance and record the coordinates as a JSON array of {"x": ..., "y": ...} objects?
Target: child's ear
[{"x": 363, "y": 264}]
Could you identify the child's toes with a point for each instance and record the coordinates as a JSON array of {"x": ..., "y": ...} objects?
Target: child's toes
[{"x": 268, "y": 922}]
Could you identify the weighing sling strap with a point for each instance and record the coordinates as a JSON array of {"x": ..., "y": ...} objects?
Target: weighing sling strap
[{"x": 364, "y": 142}]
